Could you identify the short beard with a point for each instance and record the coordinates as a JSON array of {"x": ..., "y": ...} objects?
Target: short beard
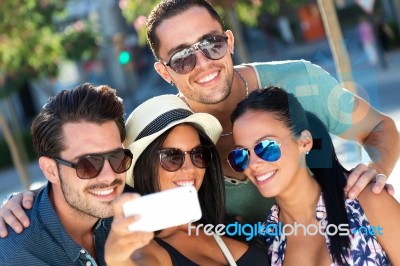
[
  {"x": 226, "y": 91},
  {"x": 83, "y": 208}
]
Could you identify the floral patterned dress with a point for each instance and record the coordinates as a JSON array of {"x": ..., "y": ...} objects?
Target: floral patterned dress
[{"x": 364, "y": 248}]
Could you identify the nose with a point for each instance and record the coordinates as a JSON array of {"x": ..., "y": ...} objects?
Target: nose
[
  {"x": 201, "y": 59},
  {"x": 254, "y": 160},
  {"x": 188, "y": 164},
  {"x": 107, "y": 174}
]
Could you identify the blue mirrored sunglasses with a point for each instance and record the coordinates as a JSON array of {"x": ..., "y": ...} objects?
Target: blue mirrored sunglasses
[{"x": 268, "y": 150}]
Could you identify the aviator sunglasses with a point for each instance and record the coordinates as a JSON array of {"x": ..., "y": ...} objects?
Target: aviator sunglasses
[
  {"x": 90, "y": 165},
  {"x": 172, "y": 159},
  {"x": 213, "y": 47},
  {"x": 268, "y": 150}
]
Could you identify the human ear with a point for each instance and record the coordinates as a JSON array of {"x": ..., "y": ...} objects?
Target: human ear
[
  {"x": 305, "y": 141},
  {"x": 162, "y": 71},
  {"x": 231, "y": 41},
  {"x": 49, "y": 168}
]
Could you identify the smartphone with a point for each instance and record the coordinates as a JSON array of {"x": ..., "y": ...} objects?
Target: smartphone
[{"x": 164, "y": 209}]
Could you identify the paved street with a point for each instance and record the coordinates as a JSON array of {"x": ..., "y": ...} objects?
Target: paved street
[{"x": 378, "y": 86}]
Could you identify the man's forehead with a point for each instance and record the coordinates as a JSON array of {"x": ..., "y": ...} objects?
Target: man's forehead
[
  {"x": 87, "y": 138},
  {"x": 186, "y": 28}
]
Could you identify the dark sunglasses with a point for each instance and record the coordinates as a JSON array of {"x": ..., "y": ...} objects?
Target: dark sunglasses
[
  {"x": 268, "y": 150},
  {"x": 213, "y": 47},
  {"x": 90, "y": 165},
  {"x": 172, "y": 159}
]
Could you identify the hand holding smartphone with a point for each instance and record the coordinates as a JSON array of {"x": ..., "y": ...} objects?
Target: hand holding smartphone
[{"x": 164, "y": 209}]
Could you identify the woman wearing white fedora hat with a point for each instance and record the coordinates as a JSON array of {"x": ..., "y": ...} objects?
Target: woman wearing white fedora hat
[{"x": 160, "y": 132}]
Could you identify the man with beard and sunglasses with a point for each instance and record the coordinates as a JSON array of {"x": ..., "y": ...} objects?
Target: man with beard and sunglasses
[
  {"x": 196, "y": 57},
  {"x": 78, "y": 138}
]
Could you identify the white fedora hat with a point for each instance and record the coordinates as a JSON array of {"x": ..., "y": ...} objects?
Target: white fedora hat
[{"x": 155, "y": 116}]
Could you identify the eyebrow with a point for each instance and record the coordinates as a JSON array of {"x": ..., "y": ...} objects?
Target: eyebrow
[
  {"x": 258, "y": 140},
  {"x": 98, "y": 153},
  {"x": 186, "y": 45}
]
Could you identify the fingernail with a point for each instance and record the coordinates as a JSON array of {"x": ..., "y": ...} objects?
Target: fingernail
[
  {"x": 350, "y": 195},
  {"x": 18, "y": 229},
  {"x": 2, "y": 233},
  {"x": 26, "y": 224}
]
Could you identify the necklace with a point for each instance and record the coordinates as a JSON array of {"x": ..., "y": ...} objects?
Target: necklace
[
  {"x": 223, "y": 134},
  {"x": 245, "y": 83}
]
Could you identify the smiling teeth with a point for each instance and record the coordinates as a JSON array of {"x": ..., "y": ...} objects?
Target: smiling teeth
[
  {"x": 266, "y": 176},
  {"x": 185, "y": 183},
  {"x": 102, "y": 192},
  {"x": 208, "y": 77}
]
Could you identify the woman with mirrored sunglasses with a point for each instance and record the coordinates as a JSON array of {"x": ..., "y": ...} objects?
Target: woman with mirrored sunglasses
[
  {"x": 174, "y": 147},
  {"x": 288, "y": 154}
]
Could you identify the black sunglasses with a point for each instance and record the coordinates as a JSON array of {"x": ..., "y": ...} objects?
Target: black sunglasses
[
  {"x": 213, "y": 47},
  {"x": 268, "y": 150},
  {"x": 172, "y": 159},
  {"x": 90, "y": 165}
]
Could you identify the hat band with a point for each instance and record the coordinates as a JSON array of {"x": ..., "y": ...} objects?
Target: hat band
[{"x": 162, "y": 121}]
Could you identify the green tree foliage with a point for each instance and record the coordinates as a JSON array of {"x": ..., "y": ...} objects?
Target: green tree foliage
[
  {"x": 80, "y": 42},
  {"x": 31, "y": 45}
]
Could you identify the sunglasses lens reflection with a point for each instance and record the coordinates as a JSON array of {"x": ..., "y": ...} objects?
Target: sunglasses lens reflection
[
  {"x": 268, "y": 150},
  {"x": 89, "y": 167},
  {"x": 238, "y": 159},
  {"x": 184, "y": 61},
  {"x": 201, "y": 156},
  {"x": 120, "y": 161},
  {"x": 171, "y": 159},
  {"x": 213, "y": 47}
]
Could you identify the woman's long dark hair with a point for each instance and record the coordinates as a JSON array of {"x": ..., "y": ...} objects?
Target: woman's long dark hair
[
  {"x": 212, "y": 191},
  {"x": 322, "y": 159}
]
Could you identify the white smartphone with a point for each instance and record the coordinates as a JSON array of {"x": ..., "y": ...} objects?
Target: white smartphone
[{"x": 164, "y": 209}]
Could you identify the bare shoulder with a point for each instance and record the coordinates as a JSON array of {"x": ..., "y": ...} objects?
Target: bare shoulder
[
  {"x": 383, "y": 212},
  {"x": 369, "y": 199},
  {"x": 380, "y": 209}
]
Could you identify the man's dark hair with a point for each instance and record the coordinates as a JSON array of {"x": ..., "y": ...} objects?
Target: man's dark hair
[
  {"x": 85, "y": 103},
  {"x": 170, "y": 8}
]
